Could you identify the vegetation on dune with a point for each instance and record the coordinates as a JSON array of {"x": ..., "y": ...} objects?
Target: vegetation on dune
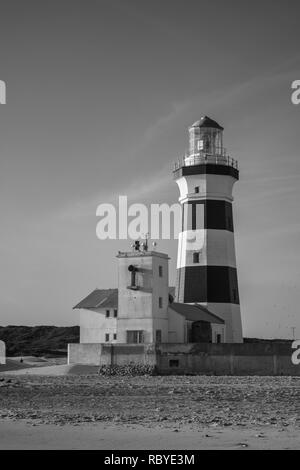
[{"x": 38, "y": 340}]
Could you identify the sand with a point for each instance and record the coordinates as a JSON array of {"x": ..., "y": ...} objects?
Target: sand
[
  {"x": 21, "y": 435},
  {"x": 56, "y": 370},
  {"x": 65, "y": 407}
]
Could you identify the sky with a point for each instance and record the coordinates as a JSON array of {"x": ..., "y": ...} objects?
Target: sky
[{"x": 100, "y": 95}]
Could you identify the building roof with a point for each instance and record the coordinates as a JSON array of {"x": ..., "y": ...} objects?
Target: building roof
[
  {"x": 100, "y": 298},
  {"x": 105, "y": 298},
  {"x": 205, "y": 121},
  {"x": 195, "y": 312}
]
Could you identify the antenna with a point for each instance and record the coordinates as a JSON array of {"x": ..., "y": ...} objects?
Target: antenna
[
  {"x": 145, "y": 244},
  {"x": 293, "y": 328}
]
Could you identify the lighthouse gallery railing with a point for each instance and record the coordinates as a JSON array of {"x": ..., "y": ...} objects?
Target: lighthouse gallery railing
[{"x": 203, "y": 158}]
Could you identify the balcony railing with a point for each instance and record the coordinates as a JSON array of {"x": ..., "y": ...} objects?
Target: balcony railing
[{"x": 204, "y": 158}]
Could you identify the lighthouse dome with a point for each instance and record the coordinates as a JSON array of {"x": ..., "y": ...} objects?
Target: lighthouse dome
[{"x": 205, "y": 121}]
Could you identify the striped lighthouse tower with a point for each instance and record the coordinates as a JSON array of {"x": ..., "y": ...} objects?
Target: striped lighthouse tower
[{"x": 206, "y": 263}]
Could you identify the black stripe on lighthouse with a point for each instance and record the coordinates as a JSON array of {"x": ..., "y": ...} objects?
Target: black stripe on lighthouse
[
  {"x": 217, "y": 215},
  {"x": 216, "y": 284}
]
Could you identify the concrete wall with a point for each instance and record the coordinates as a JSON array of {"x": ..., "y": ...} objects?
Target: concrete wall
[
  {"x": 94, "y": 326},
  {"x": 2, "y": 353},
  {"x": 206, "y": 359},
  {"x": 227, "y": 359},
  {"x": 84, "y": 353},
  {"x": 111, "y": 354}
]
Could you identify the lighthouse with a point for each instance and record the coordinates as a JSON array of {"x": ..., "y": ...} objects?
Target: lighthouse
[{"x": 206, "y": 261}]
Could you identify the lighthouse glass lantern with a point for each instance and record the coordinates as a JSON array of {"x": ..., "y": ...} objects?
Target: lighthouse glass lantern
[{"x": 206, "y": 142}]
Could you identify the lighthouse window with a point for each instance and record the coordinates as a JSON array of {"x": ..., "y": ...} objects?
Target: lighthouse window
[
  {"x": 160, "y": 302},
  {"x": 196, "y": 257},
  {"x": 160, "y": 271}
]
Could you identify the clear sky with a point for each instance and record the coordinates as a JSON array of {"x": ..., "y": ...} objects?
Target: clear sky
[{"x": 99, "y": 98}]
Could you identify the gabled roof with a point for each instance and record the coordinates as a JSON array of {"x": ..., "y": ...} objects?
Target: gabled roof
[
  {"x": 105, "y": 298},
  {"x": 195, "y": 312},
  {"x": 205, "y": 121},
  {"x": 100, "y": 298}
]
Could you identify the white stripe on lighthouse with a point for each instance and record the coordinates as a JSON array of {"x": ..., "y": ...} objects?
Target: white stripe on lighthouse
[{"x": 215, "y": 248}]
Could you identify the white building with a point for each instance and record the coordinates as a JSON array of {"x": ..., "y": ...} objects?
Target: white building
[
  {"x": 142, "y": 310},
  {"x": 2, "y": 353}
]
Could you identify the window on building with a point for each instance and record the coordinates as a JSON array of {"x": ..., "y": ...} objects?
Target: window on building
[
  {"x": 173, "y": 363},
  {"x": 115, "y": 313},
  {"x": 160, "y": 302},
  {"x": 107, "y": 313},
  {"x": 106, "y": 337},
  {"x": 158, "y": 336},
  {"x": 218, "y": 338},
  {"x": 135, "y": 336},
  {"x": 196, "y": 257},
  {"x": 115, "y": 335},
  {"x": 200, "y": 145},
  {"x": 160, "y": 271},
  {"x": 197, "y": 189}
]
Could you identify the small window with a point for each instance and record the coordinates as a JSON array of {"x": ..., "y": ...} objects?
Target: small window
[
  {"x": 106, "y": 337},
  {"x": 196, "y": 257},
  {"x": 197, "y": 189},
  {"x": 160, "y": 302},
  {"x": 115, "y": 335},
  {"x": 218, "y": 338},
  {"x": 107, "y": 314},
  {"x": 173, "y": 363},
  {"x": 160, "y": 271},
  {"x": 200, "y": 145},
  {"x": 158, "y": 336},
  {"x": 115, "y": 313}
]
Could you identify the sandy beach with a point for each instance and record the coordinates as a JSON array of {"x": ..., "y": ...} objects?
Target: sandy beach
[
  {"x": 61, "y": 406},
  {"x": 29, "y": 436}
]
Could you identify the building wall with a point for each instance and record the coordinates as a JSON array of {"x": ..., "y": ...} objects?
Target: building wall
[
  {"x": 139, "y": 308},
  {"x": 231, "y": 314},
  {"x": 2, "y": 353},
  {"x": 176, "y": 327},
  {"x": 207, "y": 359},
  {"x": 111, "y": 354},
  {"x": 218, "y": 329},
  {"x": 94, "y": 326}
]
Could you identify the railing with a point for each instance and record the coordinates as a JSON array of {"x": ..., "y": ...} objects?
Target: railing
[{"x": 204, "y": 158}]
